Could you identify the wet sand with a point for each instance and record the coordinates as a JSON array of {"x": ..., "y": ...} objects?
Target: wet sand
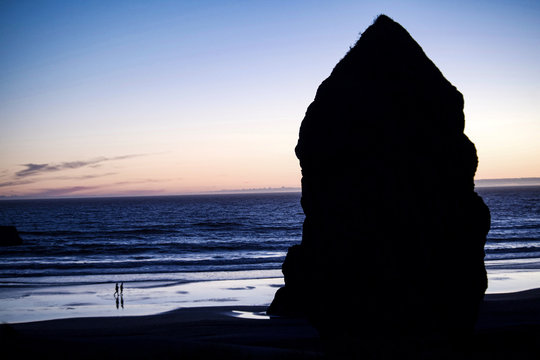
[{"x": 35, "y": 303}]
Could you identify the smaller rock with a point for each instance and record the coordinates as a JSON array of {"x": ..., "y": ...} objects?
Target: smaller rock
[{"x": 9, "y": 236}]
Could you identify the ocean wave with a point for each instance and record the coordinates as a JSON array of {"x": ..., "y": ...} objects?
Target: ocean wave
[
  {"x": 133, "y": 263},
  {"x": 514, "y": 227},
  {"x": 512, "y": 256},
  {"x": 96, "y": 233},
  {"x": 50, "y": 233},
  {"x": 106, "y": 246},
  {"x": 512, "y": 239},
  {"x": 512, "y": 250},
  {"x": 219, "y": 224},
  {"x": 146, "y": 268},
  {"x": 194, "y": 230}
]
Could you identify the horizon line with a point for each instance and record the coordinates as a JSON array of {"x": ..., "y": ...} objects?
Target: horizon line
[{"x": 480, "y": 183}]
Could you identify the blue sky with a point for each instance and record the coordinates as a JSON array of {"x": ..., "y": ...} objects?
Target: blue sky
[{"x": 185, "y": 96}]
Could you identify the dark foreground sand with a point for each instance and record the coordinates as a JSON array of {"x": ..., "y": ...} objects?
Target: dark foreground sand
[{"x": 509, "y": 328}]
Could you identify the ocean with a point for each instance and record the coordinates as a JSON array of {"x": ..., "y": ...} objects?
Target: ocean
[
  {"x": 193, "y": 237},
  {"x": 197, "y": 250},
  {"x": 199, "y": 237}
]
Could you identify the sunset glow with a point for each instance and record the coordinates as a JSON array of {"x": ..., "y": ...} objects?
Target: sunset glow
[{"x": 172, "y": 97}]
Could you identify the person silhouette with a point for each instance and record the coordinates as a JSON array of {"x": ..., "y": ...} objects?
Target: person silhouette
[
  {"x": 121, "y": 288},
  {"x": 116, "y": 291}
]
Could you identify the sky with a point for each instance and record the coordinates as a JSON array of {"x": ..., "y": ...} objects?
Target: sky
[{"x": 114, "y": 98}]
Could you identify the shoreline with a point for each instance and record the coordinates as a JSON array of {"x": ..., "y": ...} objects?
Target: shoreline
[{"x": 48, "y": 301}]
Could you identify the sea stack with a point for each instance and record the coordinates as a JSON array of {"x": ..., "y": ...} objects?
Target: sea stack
[
  {"x": 394, "y": 232},
  {"x": 9, "y": 236}
]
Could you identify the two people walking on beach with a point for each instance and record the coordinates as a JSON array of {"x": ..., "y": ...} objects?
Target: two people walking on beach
[{"x": 119, "y": 295}]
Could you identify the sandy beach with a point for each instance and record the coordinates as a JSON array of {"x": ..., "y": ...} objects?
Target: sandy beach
[
  {"x": 203, "y": 332},
  {"x": 508, "y": 328}
]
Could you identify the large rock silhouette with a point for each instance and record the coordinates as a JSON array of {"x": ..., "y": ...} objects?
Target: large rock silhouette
[{"x": 394, "y": 233}]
